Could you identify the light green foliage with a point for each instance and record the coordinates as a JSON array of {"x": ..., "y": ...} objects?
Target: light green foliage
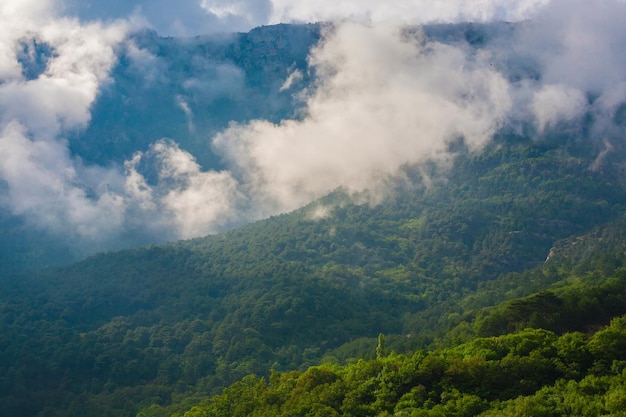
[{"x": 526, "y": 379}]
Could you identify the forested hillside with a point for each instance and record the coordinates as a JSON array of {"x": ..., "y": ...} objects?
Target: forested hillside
[
  {"x": 176, "y": 95},
  {"x": 533, "y": 372},
  {"x": 167, "y": 325},
  {"x": 400, "y": 210},
  {"x": 557, "y": 352}
]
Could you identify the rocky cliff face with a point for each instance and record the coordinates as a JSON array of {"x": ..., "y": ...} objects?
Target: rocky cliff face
[{"x": 189, "y": 89}]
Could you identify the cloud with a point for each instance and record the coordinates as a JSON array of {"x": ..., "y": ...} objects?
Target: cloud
[
  {"x": 383, "y": 99},
  {"x": 184, "y": 106},
  {"x": 555, "y": 103},
  {"x": 93, "y": 207},
  {"x": 577, "y": 44},
  {"x": 580, "y": 58},
  {"x": 252, "y": 11},
  {"x": 42, "y": 181},
  {"x": 199, "y": 202},
  {"x": 180, "y": 18},
  {"x": 185, "y": 201},
  {"x": 60, "y": 97},
  {"x": 50, "y": 189},
  {"x": 294, "y": 76},
  {"x": 152, "y": 70}
]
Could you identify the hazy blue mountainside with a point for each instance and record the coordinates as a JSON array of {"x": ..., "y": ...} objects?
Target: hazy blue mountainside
[
  {"x": 189, "y": 89},
  {"x": 186, "y": 90},
  {"x": 120, "y": 331}
]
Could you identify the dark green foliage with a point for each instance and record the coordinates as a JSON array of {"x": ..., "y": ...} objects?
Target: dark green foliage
[
  {"x": 140, "y": 330},
  {"x": 577, "y": 303}
]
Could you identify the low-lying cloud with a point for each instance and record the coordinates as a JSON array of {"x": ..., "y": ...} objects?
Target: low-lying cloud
[
  {"x": 43, "y": 182},
  {"x": 384, "y": 98},
  {"x": 580, "y": 57},
  {"x": 186, "y": 199}
]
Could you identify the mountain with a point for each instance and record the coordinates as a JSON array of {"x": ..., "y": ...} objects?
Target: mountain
[
  {"x": 186, "y": 90},
  {"x": 190, "y": 89},
  {"x": 498, "y": 258},
  {"x": 120, "y": 331}
]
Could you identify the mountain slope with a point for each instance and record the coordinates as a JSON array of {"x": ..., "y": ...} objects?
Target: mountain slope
[
  {"x": 120, "y": 331},
  {"x": 184, "y": 91},
  {"x": 557, "y": 352}
]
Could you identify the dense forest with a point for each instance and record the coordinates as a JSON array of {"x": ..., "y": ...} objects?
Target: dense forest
[{"x": 494, "y": 286}]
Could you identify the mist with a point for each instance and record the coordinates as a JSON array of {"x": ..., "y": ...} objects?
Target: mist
[
  {"x": 384, "y": 94},
  {"x": 382, "y": 99}
]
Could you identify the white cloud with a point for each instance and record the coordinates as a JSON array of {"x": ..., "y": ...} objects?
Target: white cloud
[
  {"x": 184, "y": 106},
  {"x": 555, "y": 103},
  {"x": 61, "y": 96},
  {"x": 178, "y": 18},
  {"x": 185, "y": 201},
  {"x": 47, "y": 187},
  {"x": 200, "y": 202},
  {"x": 383, "y": 100},
  {"x": 579, "y": 44},
  {"x": 142, "y": 62},
  {"x": 294, "y": 76},
  {"x": 43, "y": 182},
  {"x": 228, "y": 8},
  {"x": 579, "y": 50},
  {"x": 18, "y": 18}
]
